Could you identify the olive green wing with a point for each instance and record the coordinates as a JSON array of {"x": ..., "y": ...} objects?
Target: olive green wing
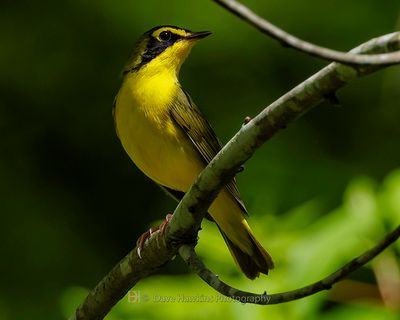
[{"x": 189, "y": 118}]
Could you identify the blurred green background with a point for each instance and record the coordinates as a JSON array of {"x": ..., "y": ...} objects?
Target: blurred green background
[{"x": 72, "y": 203}]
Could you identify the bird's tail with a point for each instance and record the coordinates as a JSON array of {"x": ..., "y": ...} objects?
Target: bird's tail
[
  {"x": 247, "y": 252},
  {"x": 250, "y": 264}
]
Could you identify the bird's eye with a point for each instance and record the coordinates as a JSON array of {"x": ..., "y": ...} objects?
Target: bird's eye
[{"x": 165, "y": 35}]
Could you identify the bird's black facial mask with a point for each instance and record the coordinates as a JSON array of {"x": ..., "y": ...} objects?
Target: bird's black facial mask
[
  {"x": 158, "y": 43},
  {"x": 156, "y": 46}
]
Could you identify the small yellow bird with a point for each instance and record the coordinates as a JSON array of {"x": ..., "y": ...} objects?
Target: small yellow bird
[{"x": 167, "y": 137}]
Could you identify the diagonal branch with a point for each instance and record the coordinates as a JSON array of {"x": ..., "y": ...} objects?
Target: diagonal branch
[
  {"x": 291, "y": 41},
  {"x": 190, "y": 257},
  {"x": 301, "y": 99},
  {"x": 188, "y": 215}
]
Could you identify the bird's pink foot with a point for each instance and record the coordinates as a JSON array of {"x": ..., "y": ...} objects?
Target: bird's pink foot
[
  {"x": 163, "y": 226},
  {"x": 142, "y": 239}
]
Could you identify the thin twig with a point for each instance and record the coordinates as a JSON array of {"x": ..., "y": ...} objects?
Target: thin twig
[
  {"x": 291, "y": 41},
  {"x": 191, "y": 258},
  {"x": 191, "y": 210}
]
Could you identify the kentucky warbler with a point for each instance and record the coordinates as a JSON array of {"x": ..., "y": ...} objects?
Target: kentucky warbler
[{"x": 167, "y": 137}]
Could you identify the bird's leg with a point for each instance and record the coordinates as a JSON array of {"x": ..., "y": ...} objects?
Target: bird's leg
[{"x": 161, "y": 229}]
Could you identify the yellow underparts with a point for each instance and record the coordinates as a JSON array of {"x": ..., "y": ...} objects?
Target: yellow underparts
[
  {"x": 150, "y": 137},
  {"x": 162, "y": 150}
]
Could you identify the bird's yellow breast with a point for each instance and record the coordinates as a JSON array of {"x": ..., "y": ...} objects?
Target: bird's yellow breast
[{"x": 150, "y": 136}]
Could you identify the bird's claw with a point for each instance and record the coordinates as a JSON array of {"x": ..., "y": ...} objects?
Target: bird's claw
[
  {"x": 143, "y": 238},
  {"x": 141, "y": 241},
  {"x": 163, "y": 226}
]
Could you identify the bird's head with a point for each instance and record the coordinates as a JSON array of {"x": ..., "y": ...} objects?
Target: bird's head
[{"x": 161, "y": 48}]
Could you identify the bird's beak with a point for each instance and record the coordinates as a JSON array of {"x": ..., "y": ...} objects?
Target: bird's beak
[{"x": 197, "y": 35}]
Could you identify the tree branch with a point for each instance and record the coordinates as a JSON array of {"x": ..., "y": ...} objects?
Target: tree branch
[
  {"x": 130, "y": 270},
  {"x": 288, "y": 40},
  {"x": 190, "y": 257},
  {"x": 159, "y": 249}
]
